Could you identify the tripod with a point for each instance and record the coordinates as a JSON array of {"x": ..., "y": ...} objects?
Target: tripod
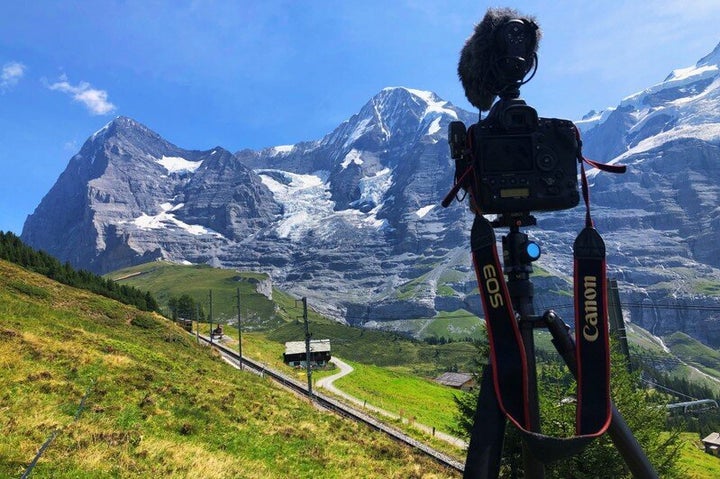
[{"x": 485, "y": 449}]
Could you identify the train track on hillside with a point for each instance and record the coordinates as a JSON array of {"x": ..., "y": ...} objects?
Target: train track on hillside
[{"x": 338, "y": 407}]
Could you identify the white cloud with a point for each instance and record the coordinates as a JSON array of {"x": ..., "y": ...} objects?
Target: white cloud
[
  {"x": 10, "y": 75},
  {"x": 94, "y": 100}
]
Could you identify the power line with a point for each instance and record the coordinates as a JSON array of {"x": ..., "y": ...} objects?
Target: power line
[{"x": 665, "y": 388}]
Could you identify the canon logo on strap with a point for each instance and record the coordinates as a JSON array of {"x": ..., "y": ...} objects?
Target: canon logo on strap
[{"x": 590, "y": 308}]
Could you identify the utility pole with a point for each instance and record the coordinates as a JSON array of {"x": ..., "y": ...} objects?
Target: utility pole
[
  {"x": 197, "y": 322},
  {"x": 617, "y": 322},
  {"x": 307, "y": 347},
  {"x": 211, "y": 318},
  {"x": 239, "y": 332}
]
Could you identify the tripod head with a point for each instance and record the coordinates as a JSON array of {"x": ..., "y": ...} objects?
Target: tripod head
[{"x": 518, "y": 254}]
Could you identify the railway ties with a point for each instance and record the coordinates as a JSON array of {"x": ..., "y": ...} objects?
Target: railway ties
[{"x": 339, "y": 408}]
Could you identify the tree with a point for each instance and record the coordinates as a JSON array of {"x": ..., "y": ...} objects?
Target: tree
[
  {"x": 173, "y": 307},
  {"x": 646, "y": 421},
  {"x": 185, "y": 307}
]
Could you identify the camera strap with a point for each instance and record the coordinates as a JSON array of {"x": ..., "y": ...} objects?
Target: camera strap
[
  {"x": 592, "y": 352},
  {"x": 507, "y": 352}
]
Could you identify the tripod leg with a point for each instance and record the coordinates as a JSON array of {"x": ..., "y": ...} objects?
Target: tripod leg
[
  {"x": 488, "y": 432},
  {"x": 620, "y": 433},
  {"x": 629, "y": 448}
]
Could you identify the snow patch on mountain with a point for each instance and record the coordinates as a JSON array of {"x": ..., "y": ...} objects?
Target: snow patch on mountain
[
  {"x": 593, "y": 118},
  {"x": 175, "y": 164},
  {"x": 424, "y": 211},
  {"x": 707, "y": 132},
  {"x": 307, "y": 203},
  {"x": 305, "y": 199},
  {"x": 434, "y": 126},
  {"x": 166, "y": 220},
  {"x": 687, "y": 95},
  {"x": 282, "y": 149},
  {"x": 373, "y": 188},
  {"x": 101, "y": 132},
  {"x": 434, "y": 104},
  {"x": 362, "y": 127},
  {"x": 353, "y": 156},
  {"x": 681, "y": 79}
]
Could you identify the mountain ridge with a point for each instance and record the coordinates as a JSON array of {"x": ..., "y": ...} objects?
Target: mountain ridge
[{"x": 352, "y": 219}]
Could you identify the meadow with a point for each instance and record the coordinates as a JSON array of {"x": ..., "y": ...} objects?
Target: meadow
[{"x": 155, "y": 403}]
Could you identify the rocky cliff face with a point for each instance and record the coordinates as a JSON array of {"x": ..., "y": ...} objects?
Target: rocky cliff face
[
  {"x": 353, "y": 221},
  {"x": 662, "y": 218},
  {"x": 129, "y": 196}
]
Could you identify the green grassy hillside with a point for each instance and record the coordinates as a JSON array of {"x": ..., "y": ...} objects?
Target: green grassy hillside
[
  {"x": 158, "y": 404},
  {"x": 165, "y": 279},
  {"x": 380, "y": 348},
  {"x": 695, "y": 353},
  {"x": 388, "y": 365}
]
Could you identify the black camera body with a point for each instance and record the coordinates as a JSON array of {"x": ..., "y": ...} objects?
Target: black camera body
[{"x": 521, "y": 163}]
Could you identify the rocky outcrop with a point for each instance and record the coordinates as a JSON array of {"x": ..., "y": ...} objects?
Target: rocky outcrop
[{"x": 130, "y": 197}]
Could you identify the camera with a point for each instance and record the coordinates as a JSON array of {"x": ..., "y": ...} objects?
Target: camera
[{"x": 521, "y": 163}]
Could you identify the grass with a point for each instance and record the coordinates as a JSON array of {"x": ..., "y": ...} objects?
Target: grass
[
  {"x": 459, "y": 325},
  {"x": 410, "y": 289},
  {"x": 165, "y": 279},
  {"x": 456, "y": 325},
  {"x": 380, "y": 348},
  {"x": 708, "y": 288},
  {"x": 694, "y": 352},
  {"x": 159, "y": 405},
  {"x": 403, "y": 394},
  {"x": 697, "y": 463},
  {"x": 388, "y": 365}
]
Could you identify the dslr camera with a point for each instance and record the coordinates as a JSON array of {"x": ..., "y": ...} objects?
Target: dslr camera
[{"x": 520, "y": 162}]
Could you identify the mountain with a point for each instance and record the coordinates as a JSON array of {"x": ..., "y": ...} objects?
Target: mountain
[
  {"x": 346, "y": 217},
  {"x": 131, "y": 196},
  {"x": 353, "y": 221},
  {"x": 662, "y": 218}
]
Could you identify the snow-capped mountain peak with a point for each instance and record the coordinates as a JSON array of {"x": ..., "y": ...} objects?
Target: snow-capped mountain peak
[
  {"x": 684, "y": 105},
  {"x": 397, "y": 111},
  {"x": 433, "y": 104},
  {"x": 681, "y": 84},
  {"x": 350, "y": 217}
]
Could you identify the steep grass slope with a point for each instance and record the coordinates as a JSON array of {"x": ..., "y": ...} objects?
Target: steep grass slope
[
  {"x": 158, "y": 405},
  {"x": 166, "y": 279}
]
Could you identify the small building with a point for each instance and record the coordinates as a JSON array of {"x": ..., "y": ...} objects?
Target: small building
[
  {"x": 186, "y": 324},
  {"x": 462, "y": 381},
  {"x": 712, "y": 444},
  {"x": 296, "y": 355}
]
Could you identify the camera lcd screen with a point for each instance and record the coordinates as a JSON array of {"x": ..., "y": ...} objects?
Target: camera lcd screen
[
  {"x": 515, "y": 193},
  {"x": 506, "y": 154}
]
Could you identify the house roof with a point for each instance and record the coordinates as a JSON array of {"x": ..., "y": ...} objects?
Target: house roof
[
  {"x": 713, "y": 438},
  {"x": 316, "y": 346},
  {"x": 454, "y": 379}
]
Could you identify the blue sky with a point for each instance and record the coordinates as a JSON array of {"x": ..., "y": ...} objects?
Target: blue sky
[{"x": 250, "y": 74}]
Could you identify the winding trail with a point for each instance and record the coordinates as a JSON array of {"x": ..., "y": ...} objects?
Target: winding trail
[{"x": 345, "y": 369}]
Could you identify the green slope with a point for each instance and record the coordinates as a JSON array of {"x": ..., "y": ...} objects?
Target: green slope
[
  {"x": 158, "y": 404},
  {"x": 387, "y": 365},
  {"x": 166, "y": 279},
  {"x": 279, "y": 318}
]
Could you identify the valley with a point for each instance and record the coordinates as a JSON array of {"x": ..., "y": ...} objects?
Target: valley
[{"x": 385, "y": 363}]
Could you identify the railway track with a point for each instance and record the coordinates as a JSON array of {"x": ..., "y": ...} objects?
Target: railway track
[{"x": 338, "y": 407}]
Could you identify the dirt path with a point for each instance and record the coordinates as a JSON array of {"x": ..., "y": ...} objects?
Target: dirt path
[{"x": 345, "y": 369}]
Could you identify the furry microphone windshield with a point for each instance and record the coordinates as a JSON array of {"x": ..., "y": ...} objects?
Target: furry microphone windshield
[{"x": 498, "y": 55}]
